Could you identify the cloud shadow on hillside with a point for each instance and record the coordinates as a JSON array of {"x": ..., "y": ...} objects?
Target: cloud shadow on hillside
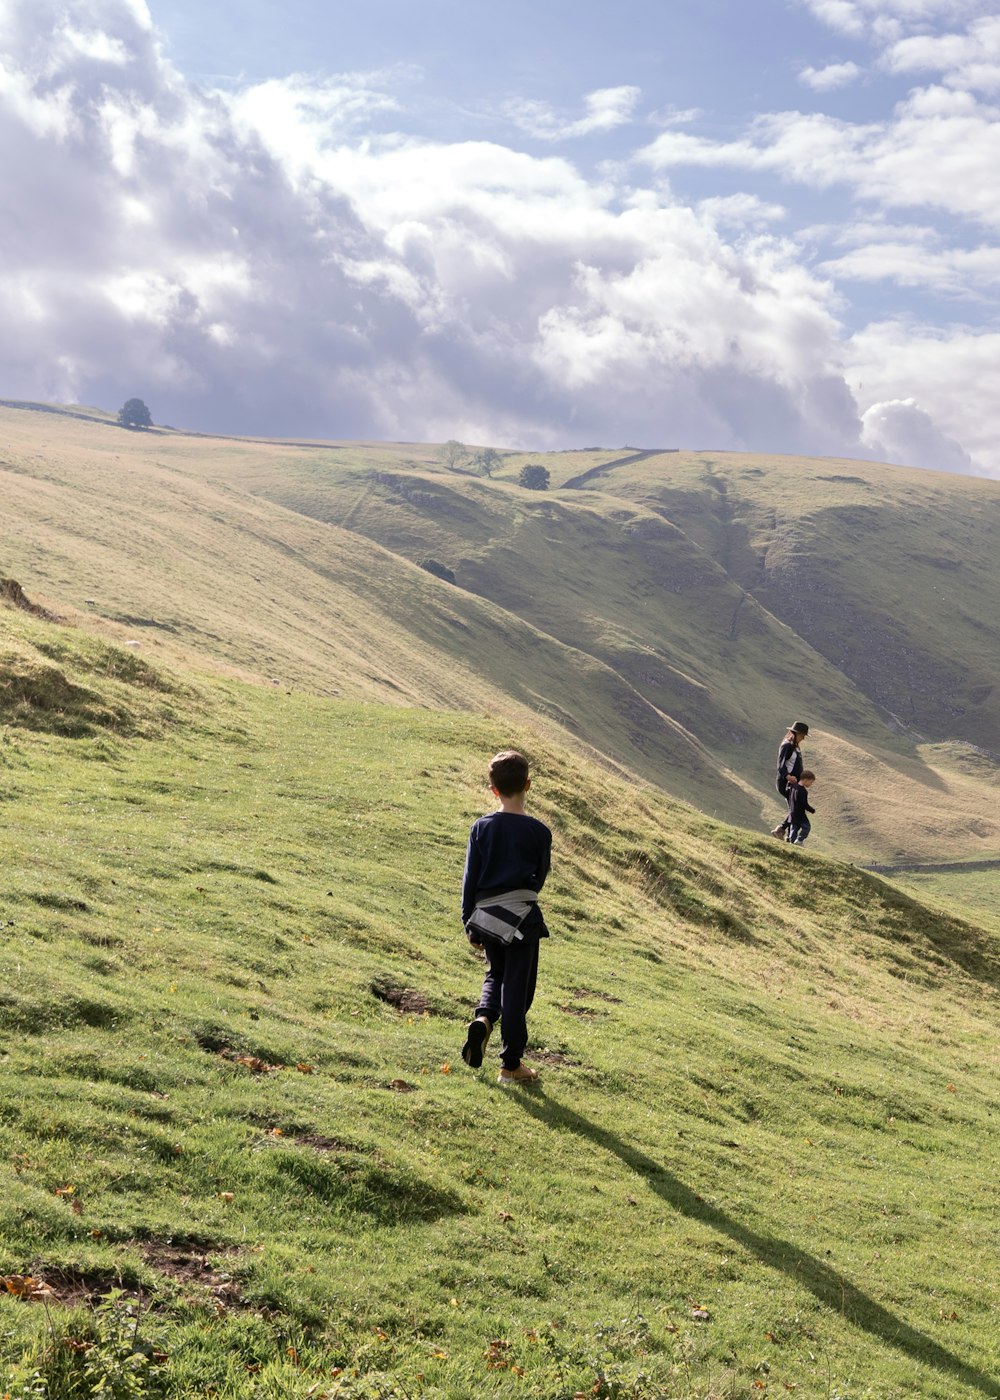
[{"x": 831, "y": 1288}]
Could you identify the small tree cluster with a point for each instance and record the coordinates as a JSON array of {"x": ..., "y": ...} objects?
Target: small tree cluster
[
  {"x": 534, "y": 477},
  {"x": 457, "y": 457},
  {"x": 134, "y": 414}
]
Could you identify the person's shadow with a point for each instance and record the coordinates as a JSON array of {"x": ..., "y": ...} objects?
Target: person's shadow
[{"x": 832, "y": 1289}]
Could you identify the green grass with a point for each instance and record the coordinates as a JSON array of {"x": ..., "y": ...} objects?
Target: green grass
[
  {"x": 969, "y": 893},
  {"x": 668, "y": 613},
  {"x": 768, "y": 1080}
]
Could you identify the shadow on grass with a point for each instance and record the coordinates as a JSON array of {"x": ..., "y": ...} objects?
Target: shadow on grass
[{"x": 832, "y": 1289}]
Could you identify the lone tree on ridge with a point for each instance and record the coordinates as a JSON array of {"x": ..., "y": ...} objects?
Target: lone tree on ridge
[
  {"x": 488, "y": 461},
  {"x": 534, "y": 477},
  {"x": 134, "y": 414},
  {"x": 454, "y": 454}
]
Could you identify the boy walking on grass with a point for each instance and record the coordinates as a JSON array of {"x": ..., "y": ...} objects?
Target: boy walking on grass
[
  {"x": 798, "y": 805},
  {"x": 505, "y": 868}
]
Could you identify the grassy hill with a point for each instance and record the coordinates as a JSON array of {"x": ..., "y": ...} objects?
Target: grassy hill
[
  {"x": 670, "y": 612},
  {"x": 231, "y": 1104}
]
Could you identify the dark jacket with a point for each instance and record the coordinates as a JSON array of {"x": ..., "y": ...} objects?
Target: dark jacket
[
  {"x": 789, "y": 761},
  {"x": 798, "y": 804},
  {"x": 507, "y": 851}
]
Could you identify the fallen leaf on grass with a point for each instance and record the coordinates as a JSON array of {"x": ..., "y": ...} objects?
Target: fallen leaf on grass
[
  {"x": 65, "y": 1190},
  {"x": 303, "y": 1068},
  {"x": 78, "y": 1346},
  {"x": 25, "y": 1286},
  {"x": 401, "y": 1086},
  {"x": 446, "y": 1069},
  {"x": 226, "y": 1196},
  {"x": 952, "y": 1089},
  {"x": 251, "y": 1062},
  {"x": 701, "y": 1314},
  {"x": 504, "y": 1215}
]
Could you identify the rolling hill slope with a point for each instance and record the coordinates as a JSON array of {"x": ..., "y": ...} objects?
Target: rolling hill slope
[
  {"x": 762, "y": 1159},
  {"x": 670, "y": 611}
]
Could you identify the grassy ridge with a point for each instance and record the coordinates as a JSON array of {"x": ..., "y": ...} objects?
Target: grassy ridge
[
  {"x": 767, "y": 1079},
  {"x": 729, "y": 591},
  {"x": 664, "y": 610}
]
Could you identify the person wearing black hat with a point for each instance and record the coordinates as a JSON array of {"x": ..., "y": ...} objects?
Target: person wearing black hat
[{"x": 789, "y": 767}]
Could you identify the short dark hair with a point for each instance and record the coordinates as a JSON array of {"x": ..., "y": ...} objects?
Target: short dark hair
[
  {"x": 509, "y": 772},
  {"x": 807, "y": 773}
]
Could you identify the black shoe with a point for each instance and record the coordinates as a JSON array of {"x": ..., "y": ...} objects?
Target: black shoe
[{"x": 477, "y": 1035}]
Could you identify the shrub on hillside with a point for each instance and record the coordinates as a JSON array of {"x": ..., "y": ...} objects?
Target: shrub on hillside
[
  {"x": 134, "y": 414},
  {"x": 534, "y": 477}
]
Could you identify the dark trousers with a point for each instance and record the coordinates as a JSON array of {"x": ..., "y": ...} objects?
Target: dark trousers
[
  {"x": 508, "y": 991},
  {"x": 797, "y": 834},
  {"x": 781, "y": 784}
]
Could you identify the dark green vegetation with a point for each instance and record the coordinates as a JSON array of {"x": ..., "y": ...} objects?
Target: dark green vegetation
[{"x": 237, "y": 1142}]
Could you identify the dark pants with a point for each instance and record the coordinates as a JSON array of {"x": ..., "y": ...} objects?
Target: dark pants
[
  {"x": 797, "y": 834},
  {"x": 508, "y": 991}
]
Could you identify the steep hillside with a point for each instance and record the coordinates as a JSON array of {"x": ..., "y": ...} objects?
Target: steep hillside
[
  {"x": 137, "y": 533},
  {"x": 232, "y": 992},
  {"x": 890, "y": 574},
  {"x": 730, "y": 609},
  {"x": 670, "y": 611}
]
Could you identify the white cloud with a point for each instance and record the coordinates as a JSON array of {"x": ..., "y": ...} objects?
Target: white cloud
[
  {"x": 94, "y": 44},
  {"x": 900, "y": 431},
  {"x": 675, "y": 116},
  {"x": 842, "y": 15},
  {"x": 969, "y": 61},
  {"x": 834, "y": 75},
  {"x": 606, "y": 109},
  {"x": 940, "y": 150},
  {"x": 272, "y": 261},
  {"x": 911, "y": 263},
  {"x": 887, "y": 20},
  {"x": 944, "y": 371},
  {"x": 740, "y": 211}
]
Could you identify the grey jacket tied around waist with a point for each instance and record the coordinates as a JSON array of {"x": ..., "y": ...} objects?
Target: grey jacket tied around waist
[{"x": 500, "y": 916}]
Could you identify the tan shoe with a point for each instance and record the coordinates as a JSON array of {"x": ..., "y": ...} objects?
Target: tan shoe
[
  {"x": 476, "y": 1039},
  {"x": 780, "y": 831},
  {"x": 524, "y": 1074}
]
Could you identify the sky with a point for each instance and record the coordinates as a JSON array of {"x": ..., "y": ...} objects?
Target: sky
[{"x": 764, "y": 225}]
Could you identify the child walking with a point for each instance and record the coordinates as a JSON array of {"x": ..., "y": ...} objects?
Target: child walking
[
  {"x": 799, "y": 826},
  {"x": 505, "y": 868}
]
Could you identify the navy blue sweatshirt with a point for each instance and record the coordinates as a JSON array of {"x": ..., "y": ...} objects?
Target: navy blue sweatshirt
[
  {"x": 798, "y": 804},
  {"x": 507, "y": 851}
]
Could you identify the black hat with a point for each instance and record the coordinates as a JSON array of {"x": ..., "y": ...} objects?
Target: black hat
[{"x": 799, "y": 727}]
